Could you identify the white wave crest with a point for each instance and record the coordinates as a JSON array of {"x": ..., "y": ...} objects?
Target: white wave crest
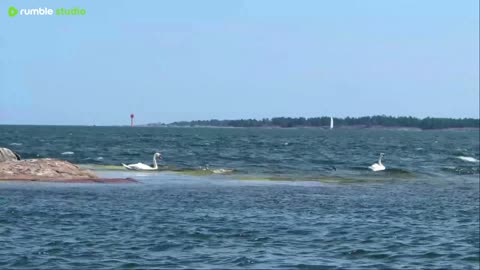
[
  {"x": 68, "y": 153},
  {"x": 468, "y": 159}
]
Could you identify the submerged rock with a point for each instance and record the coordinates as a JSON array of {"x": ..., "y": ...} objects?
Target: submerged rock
[
  {"x": 7, "y": 154},
  {"x": 47, "y": 169}
]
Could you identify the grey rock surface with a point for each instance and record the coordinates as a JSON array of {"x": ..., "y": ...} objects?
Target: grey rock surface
[{"x": 43, "y": 169}]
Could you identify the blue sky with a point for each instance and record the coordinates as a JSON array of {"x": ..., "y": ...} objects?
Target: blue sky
[{"x": 183, "y": 60}]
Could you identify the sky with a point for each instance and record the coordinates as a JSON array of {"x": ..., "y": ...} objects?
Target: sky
[{"x": 179, "y": 60}]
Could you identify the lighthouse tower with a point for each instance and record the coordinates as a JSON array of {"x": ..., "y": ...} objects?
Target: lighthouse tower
[{"x": 131, "y": 119}]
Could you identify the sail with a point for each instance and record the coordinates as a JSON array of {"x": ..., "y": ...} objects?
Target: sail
[{"x": 331, "y": 122}]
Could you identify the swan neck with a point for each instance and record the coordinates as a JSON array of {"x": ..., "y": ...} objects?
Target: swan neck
[
  {"x": 155, "y": 166},
  {"x": 380, "y": 160}
]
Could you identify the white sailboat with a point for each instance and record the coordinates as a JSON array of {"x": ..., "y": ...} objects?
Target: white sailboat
[{"x": 331, "y": 122}]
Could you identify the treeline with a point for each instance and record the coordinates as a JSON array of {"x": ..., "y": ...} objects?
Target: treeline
[{"x": 366, "y": 121}]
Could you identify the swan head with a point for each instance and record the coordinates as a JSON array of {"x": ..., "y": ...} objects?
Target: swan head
[
  {"x": 158, "y": 156},
  {"x": 380, "y": 158}
]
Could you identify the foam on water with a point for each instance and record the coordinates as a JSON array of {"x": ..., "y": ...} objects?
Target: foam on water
[
  {"x": 222, "y": 171},
  {"x": 468, "y": 159}
]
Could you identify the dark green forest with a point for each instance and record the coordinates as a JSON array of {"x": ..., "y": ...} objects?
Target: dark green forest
[{"x": 366, "y": 121}]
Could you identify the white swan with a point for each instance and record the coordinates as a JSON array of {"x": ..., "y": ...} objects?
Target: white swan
[
  {"x": 144, "y": 167},
  {"x": 378, "y": 166}
]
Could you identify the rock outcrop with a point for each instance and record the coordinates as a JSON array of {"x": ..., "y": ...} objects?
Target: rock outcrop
[
  {"x": 7, "y": 154},
  {"x": 52, "y": 170}
]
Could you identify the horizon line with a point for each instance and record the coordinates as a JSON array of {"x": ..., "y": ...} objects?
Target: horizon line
[{"x": 226, "y": 119}]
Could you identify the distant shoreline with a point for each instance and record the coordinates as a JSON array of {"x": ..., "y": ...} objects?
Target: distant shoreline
[
  {"x": 263, "y": 127},
  {"x": 376, "y": 121},
  {"x": 323, "y": 122},
  {"x": 309, "y": 127}
]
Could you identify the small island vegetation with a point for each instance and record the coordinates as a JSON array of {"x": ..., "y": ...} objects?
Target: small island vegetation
[{"x": 324, "y": 121}]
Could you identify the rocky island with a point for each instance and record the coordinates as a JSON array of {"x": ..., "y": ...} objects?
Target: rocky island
[{"x": 12, "y": 168}]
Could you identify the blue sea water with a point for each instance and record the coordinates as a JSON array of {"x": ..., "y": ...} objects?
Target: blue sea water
[{"x": 295, "y": 198}]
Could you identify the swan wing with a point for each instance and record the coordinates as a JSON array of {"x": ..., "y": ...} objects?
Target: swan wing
[
  {"x": 140, "y": 166},
  {"x": 376, "y": 167}
]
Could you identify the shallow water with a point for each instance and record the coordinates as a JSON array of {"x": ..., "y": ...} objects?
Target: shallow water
[
  {"x": 284, "y": 153},
  {"x": 416, "y": 215},
  {"x": 171, "y": 220}
]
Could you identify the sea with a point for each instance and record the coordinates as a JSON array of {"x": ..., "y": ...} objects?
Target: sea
[{"x": 246, "y": 198}]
